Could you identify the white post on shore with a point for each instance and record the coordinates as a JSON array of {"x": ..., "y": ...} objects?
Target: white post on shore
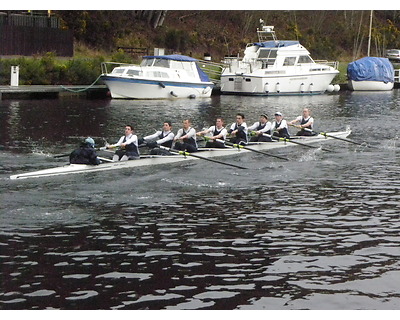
[{"x": 14, "y": 76}]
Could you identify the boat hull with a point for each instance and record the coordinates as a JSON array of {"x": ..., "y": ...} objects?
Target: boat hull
[
  {"x": 159, "y": 160},
  {"x": 370, "y": 85},
  {"x": 302, "y": 84},
  {"x": 129, "y": 88}
]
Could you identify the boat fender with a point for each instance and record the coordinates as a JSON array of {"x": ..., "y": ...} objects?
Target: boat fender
[
  {"x": 266, "y": 87},
  {"x": 336, "y": 87},
  {"x": 206, "y": 90},
  {"x": 278, "y": 87},
  {"x": 173, "y": 94},
  {"x": 162, "y": 85},
  {"x": 302, "y": 87},
  {"x": 330, "y": 88},
  {"x": 311, "y": 87}
]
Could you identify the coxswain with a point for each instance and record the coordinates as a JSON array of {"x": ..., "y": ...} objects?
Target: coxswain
[
  {"x": 217, "y": 131},
  {"x": 128, "y": 146},
  {"x": 263, "y": 126},
  {"x": 305, "y": 121},
  {"x": 279, "y": 126},
  {"x": 238, "y": 130},
  {"x": 185, "y": 139},
  {"x": 85, "y": 154},
  {"x": 164, "y": 138}
]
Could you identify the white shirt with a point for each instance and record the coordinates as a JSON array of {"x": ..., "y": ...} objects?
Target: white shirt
[
  {"x": 191, "y": 133},
  {"x": 223, "y": 131},
  {"x": 310, "y": 120},
  {"x": 243, "y": 125},
  {"x": 263, "y": 130},
  {"x": 132, "y": 138},
  {"x": 168, "y": 135},
  {"x": 281, "y": 126}
]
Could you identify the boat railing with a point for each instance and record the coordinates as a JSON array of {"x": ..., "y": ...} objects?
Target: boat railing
[
  {"x": 236, "y": 64},
  {"x": 333, "y": 64},
  {"x": 104, "y": 69},
  {"x": 212, "y": 69}
]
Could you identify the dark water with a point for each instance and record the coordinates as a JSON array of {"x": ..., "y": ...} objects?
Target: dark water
[{"x": 318, "y": 232}]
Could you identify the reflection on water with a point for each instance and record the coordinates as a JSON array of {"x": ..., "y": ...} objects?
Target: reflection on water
[{"x": 317, "y": 232}]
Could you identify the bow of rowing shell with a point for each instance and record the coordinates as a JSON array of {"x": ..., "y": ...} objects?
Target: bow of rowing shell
[{"x": 157, "y": 160}]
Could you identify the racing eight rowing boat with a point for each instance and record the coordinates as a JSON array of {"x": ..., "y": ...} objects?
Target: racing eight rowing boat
[{"x": 157, "y": 160}]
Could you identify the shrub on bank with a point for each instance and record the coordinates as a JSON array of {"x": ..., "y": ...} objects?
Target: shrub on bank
[{"x": 47, "y": 70}]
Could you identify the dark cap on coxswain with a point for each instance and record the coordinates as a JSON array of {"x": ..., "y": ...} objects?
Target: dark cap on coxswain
[{"x": 264, "y": 115}]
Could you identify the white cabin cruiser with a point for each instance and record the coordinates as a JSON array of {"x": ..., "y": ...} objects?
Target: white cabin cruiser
[
  {"x": 276, "y": 67},
  {"x": 158, "y": 77}
]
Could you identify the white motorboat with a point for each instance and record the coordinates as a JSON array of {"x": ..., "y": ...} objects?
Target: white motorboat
[
  {"x": 158, "y": 77},
  {"x": 277, "y": 67},
  {"x": 158, "y": 160}
]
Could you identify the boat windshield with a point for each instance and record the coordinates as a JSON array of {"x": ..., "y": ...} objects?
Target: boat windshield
[
  {"x": 268, "y": 57},
  {"x": 305, "y": 59},
  {"x": 153, "y": 62}
]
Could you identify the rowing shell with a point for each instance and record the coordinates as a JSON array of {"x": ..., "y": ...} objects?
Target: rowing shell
[{"x": 158, "y": 160}]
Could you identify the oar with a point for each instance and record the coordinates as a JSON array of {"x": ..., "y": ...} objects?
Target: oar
[
  {"x": 184, "y": 153},
  {"x": 61, "y": 155},
  {"x": 330, "y": 136},
  {"x": 235, "y": 145},
  {"x": 295, "y": 142}
]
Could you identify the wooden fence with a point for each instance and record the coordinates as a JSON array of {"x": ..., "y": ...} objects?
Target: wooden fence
[
  {"x": 26, "y": 41},
  {"x": 29, "y": 34}
]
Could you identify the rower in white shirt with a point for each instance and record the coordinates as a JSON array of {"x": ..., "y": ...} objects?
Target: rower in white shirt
[
  {"x": 279, "y": 126},
  {"x": 128, "y": 146},
  {"x": 217, "y": 131},
  {"x": 304, "y": 121},
  {"x": 164, "y": 137},
  {"x": 259, "y": 128},
  {"x": 185, "y": 139},
  {"x": 238, "y": 130}
]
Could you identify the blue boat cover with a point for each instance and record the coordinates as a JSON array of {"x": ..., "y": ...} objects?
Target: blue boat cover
[
  {"x": 371, "y": 69},
  {"x": 276, "y": 44},
  {"x": 176, "y": 57},
  {"x": 203, "y": 76}
]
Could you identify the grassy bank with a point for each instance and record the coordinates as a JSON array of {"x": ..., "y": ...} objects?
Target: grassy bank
[{"x": 50, "y": 70}]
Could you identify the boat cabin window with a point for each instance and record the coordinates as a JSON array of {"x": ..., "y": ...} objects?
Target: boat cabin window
[
  {"x": 289, "y": 61},
  {"x": 133, "y": 73},
  {"x": 305, "y": 59},
  {"x": 161, "y": 63},
  {"x": 267, "y": 56},
  {"x": 118, "y": 71},
  {"x": 158, "y": 74},
  {"x": 155, "y": 63},
  {"x": 147, "y": 62},
  {"x": 185, "y": 65}
]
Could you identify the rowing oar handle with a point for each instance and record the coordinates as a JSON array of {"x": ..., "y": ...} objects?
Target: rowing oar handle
[{"x": 302, "y": 128}]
